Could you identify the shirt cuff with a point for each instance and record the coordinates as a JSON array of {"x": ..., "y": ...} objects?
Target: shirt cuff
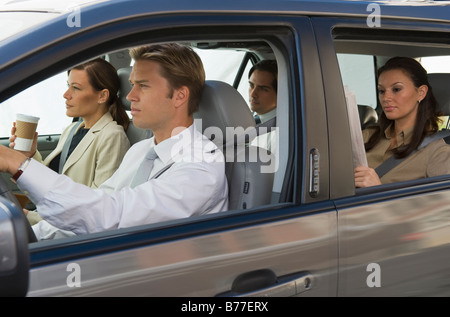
[{"x": 37, "y": 180}]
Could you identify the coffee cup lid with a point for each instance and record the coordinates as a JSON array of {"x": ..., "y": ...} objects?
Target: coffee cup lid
[{"x": 27, "y": 118}]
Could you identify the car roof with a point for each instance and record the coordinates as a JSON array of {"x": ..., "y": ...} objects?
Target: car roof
[
  {"x": 44, "y": 10},
  {"x": 43, "y": 5},
  {"x": 27, "y": 25}
]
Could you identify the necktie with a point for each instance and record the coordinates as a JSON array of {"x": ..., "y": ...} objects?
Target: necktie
[{"x": 143, "y": 172}]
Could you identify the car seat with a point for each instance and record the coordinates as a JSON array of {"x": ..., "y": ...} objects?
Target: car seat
[
  {"x": 367, "y": 115},
  {"x": 224, "y": 113},
  {"x": 440, "y": 84}
]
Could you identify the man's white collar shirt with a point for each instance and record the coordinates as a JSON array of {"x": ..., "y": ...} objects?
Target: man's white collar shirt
[
  {"x": 268, "y": 115},
  {"x": 269, "y": 140},
  {"x": 193, "y": 184}
]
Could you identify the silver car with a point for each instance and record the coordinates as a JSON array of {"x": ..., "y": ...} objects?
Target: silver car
[{"x": 301, "y": 229}]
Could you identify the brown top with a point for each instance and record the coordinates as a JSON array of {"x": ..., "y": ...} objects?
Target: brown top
[{"x": 432, "y": 160}]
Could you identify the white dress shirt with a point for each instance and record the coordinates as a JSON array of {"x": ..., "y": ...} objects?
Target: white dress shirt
[
  {"x": 269, "y": 140},
  {"x": 195, "y": 184}
]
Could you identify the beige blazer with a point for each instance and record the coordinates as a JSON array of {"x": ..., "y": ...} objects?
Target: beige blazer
[{"x": 98, "y": 154}]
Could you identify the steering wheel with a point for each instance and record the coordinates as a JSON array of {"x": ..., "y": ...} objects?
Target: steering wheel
[{"x": 7, "y": 193}]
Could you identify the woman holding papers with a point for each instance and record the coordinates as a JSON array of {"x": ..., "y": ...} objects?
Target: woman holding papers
[{"x": 408, "y": 119}]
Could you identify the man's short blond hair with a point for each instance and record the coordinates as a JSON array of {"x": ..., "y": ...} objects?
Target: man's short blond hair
[{"x": 180, "y": 66}]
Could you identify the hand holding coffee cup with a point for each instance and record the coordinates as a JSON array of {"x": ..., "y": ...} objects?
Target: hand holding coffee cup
[
  {"x": 24, "y": 132},
  {"x": 12, "y": 143}
]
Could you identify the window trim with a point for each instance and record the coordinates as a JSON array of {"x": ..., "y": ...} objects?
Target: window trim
[{"x": 49, "y": 251}]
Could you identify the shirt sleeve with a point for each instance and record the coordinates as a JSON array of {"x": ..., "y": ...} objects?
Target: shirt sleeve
[{"x": 199, "y": 188}]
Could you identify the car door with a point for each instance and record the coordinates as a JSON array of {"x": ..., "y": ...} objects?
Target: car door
[
  {"x": 288, "y": 247},
  {"x": 392, "y": 239}
]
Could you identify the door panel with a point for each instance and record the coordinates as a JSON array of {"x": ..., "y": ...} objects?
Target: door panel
[
  {"x": 206, "y": 265},
  {"x": 393, "y": 242},
  {"x": 407, "y": 238}
]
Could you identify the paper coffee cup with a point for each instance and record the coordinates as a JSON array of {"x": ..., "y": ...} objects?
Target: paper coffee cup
[{"x": 25, "y": 128}]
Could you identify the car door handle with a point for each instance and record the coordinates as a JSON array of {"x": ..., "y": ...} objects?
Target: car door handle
[{"x": 264, "y": 283}]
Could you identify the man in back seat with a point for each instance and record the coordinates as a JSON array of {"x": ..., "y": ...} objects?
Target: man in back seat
[
  {"x": 263, "y": 84},
  {"x": 188, "y": 175}
]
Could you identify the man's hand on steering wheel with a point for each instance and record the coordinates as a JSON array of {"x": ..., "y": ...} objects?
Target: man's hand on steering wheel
[
  {"x": 10, "y": 160},
  {"x": 7, "y": 193}
]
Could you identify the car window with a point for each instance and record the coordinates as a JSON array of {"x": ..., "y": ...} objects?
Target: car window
[
  {"x": 436, "y": 64},
  {"x": 44, "y": 100},
  {"x": 358, "y": 74},
  {"x": 219, "y": 64},
  {"x": 359, "y": 61},
  {"x": 222, "y": 65}
]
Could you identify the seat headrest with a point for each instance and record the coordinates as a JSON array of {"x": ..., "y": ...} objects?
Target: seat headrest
[
  {"x": 367, "y": 115},
  {"x": 119, "y": 59},
  {"x": 125, "y": 86},
  {"x": 440, "y": 83},
  {"x": 222, "y": 106}
]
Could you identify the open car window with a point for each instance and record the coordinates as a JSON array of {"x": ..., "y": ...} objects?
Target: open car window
[
  {"x": 234, "y": 66},
  {"x": 44, "y": 100},
  {"x": 360, "y": 57}
]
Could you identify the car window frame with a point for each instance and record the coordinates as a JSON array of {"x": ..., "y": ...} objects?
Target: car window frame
[
  {"x": 267, "y": 212},
  {"x": 354, "y": 29}
]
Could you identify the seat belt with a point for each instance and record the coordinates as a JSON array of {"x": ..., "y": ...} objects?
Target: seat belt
[
  {"x": 66, "y": 146},
  {"x": 392, "y": 161}
]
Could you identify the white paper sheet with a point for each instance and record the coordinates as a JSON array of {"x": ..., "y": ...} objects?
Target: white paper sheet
[{"x": 359, "y": 153}]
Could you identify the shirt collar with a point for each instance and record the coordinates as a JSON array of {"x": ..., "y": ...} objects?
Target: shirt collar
[
  {"x": 268, "y": 115},
  {"x": 404, "y": 137},
  {"x": 172, "y": 148},
  {"x": 101, "y": 123}
]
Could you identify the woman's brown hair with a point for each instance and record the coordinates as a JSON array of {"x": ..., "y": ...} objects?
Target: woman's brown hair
[{"x": 103, "y": 75}]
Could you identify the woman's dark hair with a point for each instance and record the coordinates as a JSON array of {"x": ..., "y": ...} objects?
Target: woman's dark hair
[
  {"x": 427, "y": 114},
  {"x": 103, "y": 75}
]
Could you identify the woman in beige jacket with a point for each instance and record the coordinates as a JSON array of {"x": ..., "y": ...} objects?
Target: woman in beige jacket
[{"x": 89, "y": 151}]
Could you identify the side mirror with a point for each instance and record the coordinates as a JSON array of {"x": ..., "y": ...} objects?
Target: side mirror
[{"x": 14, "y": 256}]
